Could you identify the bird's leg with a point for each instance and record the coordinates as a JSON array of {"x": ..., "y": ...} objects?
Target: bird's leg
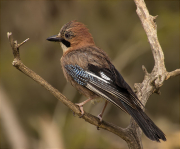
[
  {"x": 81, "y": 106},
  {"x": 101, "y": 114}
]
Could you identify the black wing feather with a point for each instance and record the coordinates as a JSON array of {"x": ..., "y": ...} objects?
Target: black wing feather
[
  {"x": 113, "y": 88},
  {"x": 118, "y": 82}
]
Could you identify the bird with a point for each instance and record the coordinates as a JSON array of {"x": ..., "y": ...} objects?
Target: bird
[{"x": 89, "y": 69}]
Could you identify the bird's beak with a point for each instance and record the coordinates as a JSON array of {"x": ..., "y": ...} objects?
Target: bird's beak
[{"x": 55, "y": 38}]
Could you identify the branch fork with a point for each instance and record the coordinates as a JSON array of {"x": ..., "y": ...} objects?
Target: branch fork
[{"x": 151, "y": 83}]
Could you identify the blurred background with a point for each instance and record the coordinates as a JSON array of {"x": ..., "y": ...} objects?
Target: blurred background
[{"x": 31, "y": 118}]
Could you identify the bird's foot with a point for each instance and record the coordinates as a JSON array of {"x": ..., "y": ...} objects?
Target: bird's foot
[
  {"x": 100, "y": 117},
  {"x": 80, "y": 105},
  {"x": 100, "y": 121}
]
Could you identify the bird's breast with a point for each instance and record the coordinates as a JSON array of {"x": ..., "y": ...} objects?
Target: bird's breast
[{"x": 83, "y": 57}]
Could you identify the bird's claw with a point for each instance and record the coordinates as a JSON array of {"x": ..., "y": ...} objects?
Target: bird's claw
[
  {"x": 100, "y": 117},
  {"x": 100, "y": 121},
  {"x": 81, "y": 115},
  {"x": 74, "y": 114},
  {"x": 81, "y": 109}
]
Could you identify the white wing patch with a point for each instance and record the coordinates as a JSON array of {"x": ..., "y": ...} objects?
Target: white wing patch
[
  {"x": 102, "y": 79},
  {"x": 104, "y": 76}
]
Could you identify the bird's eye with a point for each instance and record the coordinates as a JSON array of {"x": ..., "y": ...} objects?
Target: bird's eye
[{"x": 67, "y": 35}]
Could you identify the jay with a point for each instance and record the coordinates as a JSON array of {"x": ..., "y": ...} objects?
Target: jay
[{"x": 90, "y": 71}]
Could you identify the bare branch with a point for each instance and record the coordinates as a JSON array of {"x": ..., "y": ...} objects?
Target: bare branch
[
  {"x": 22, "y": 43},
  {"x": 172, "y": 74},
  {"x": 154, "y": 80},
  {"x": 87, "y": 117},
  {"x": 151, "y": 83}
]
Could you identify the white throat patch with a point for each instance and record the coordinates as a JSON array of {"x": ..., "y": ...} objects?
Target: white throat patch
[{"x": 64, "y": 48}]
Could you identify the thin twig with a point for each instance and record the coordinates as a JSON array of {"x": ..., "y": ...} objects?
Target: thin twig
[
  {"x": 151, "y": 83},
  {"x": 22, "y": 43},
  {"x": 87, "y": 117},
  {"x": 172, "y": 74}
]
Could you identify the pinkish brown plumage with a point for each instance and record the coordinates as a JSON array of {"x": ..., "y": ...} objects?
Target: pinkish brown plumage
[{"x": 90, "y": 71}]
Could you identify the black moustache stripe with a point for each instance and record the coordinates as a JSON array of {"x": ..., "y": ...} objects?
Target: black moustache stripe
[{"x": 66, "y": 43}]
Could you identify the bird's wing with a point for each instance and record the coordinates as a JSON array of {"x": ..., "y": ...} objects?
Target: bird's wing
[
  {"x": 102, "y": 82},
  {"x": 110, "y": 85},
  {"x": 121, "y": 83}
]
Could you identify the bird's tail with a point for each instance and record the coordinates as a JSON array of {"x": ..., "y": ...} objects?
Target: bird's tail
[{"x": 145, "y": 123}]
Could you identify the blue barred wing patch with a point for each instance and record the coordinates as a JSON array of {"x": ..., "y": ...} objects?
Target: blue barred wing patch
[{"x": 78, "y": 74}]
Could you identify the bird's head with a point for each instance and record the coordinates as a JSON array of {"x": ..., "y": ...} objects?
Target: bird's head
[{"x": 73, "y": 35}]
